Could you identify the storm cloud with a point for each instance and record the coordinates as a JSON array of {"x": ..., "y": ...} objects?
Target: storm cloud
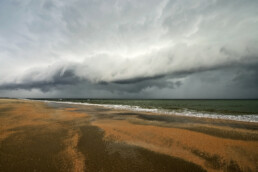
[{"x": 129, "y": 49}]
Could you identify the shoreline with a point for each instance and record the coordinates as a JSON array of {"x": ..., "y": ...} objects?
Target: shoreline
[{"x": 240, "y": 118}]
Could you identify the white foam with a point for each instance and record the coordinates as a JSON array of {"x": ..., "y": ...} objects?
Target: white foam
[{"x": 185, "y": 112}]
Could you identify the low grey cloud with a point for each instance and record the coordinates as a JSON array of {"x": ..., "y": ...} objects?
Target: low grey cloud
[
  {"x": 28, "y": 82},
  {"x": 116, "y": 48}
]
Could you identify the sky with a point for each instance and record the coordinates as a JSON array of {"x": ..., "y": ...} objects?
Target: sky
[{"x": 172, "y": 49}]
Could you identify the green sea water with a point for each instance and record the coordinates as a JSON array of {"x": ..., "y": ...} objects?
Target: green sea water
[
  {"x": 216, "y": 106},
  {"x": 227, "y": 108}
]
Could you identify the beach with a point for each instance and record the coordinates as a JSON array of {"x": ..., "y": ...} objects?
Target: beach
[{"x": 52, "y": 136}]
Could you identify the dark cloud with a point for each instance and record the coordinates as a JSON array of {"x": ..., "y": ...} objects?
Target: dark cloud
[
  {"x": 59, "y": 78},
  {"x": 137, "y": 80},
  {"x": 149, "y": 48},
  {"x": 236, "y": 75},
  {"x": 247, "y": 77}
]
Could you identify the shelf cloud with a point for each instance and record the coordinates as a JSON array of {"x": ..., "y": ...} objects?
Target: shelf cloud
[{"x": 129, "y": 49}]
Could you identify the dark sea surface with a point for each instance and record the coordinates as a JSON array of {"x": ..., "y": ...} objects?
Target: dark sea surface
[{"x": 243, "y": 110}]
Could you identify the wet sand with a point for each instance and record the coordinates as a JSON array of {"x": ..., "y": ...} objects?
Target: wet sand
[{"x": 38, "y": 136}]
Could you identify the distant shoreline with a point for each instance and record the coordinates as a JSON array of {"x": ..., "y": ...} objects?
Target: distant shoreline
[{"x": 243, "y": 118}]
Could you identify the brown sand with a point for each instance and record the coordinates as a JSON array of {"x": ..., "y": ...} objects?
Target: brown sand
[
  {"x": 211, "y": 152},
  {"x": 23, "y": 120},
  {"x": 36, "y": 136}
]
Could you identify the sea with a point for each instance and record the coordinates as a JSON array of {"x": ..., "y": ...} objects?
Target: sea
[{"x": 239, "y": 110}]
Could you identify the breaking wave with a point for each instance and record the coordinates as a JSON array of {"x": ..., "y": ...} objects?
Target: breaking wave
[{"x": 181, "y": 112}]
